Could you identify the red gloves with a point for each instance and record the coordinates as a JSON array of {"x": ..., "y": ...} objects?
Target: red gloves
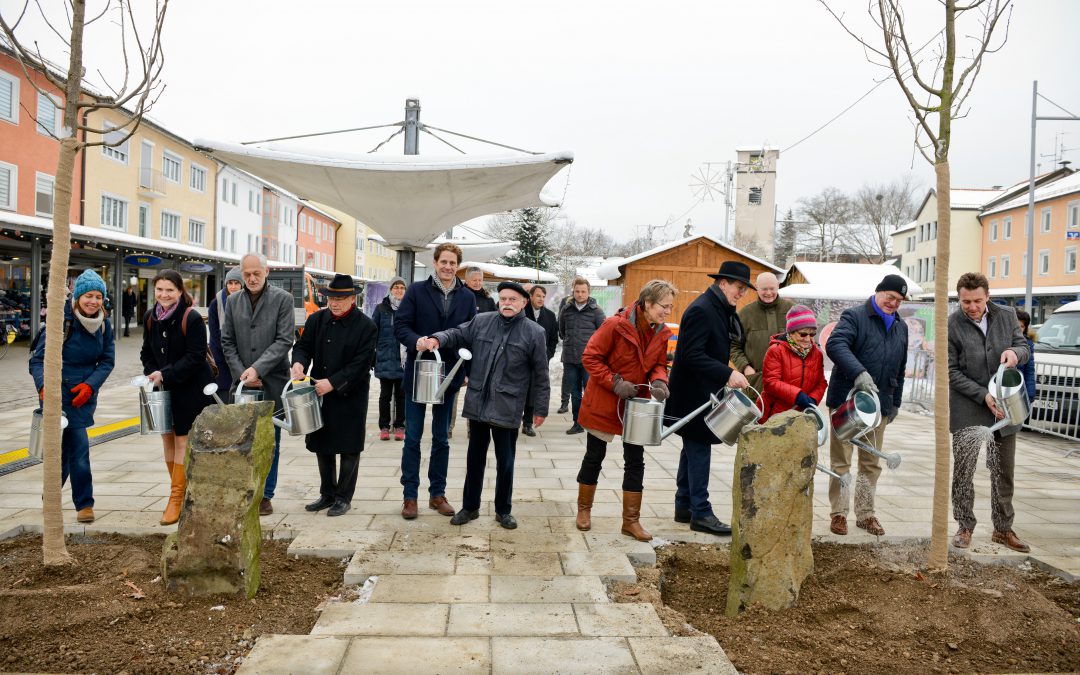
[
  {"x": 41, "y": 394},
  {"x": 82, "y": 393}
]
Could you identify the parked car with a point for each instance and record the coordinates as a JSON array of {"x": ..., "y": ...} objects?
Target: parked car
[{"x": 1057, "y": 368}]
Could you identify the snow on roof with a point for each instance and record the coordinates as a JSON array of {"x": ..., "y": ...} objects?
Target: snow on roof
[
  {"x": 514, "y": 273},
  {"x": 841, "y": 281},
  {"x": 972, "y": 198},
  {"x": 905, "y": 228},
  {"x": 611, "y": 268},
  {"x": 757, "y": 148},
  {"x": 1061, "y": 186}
]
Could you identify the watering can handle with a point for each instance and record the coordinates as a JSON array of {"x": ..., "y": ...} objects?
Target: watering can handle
[
  {"x": 759, "y": 398},
  {"x": 239, "y": 388},
  {"x": 997, "y": 376}
]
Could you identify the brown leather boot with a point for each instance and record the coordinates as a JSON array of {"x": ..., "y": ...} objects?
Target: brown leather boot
[
  {"x": 176, "y": 496},
  {"x": 631, "y": 511},
  {"x": 584, "y": 506}
]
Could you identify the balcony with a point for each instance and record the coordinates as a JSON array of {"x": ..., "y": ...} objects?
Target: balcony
[{"x": 151, "y": 183}]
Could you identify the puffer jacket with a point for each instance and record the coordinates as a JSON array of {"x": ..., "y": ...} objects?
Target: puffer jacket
[
  {"x": 616, "y": 349},
  {"x": 860, "y": 343},
  {"x": 502, "y": 376},
  {"x": 786, "y": 374},
  {"x": 388, "y": 361},
  {"x": 576, "y": 326}
]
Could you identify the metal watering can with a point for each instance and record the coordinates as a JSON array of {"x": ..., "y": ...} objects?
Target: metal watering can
[
  {"x": 303, "y": 409},
  {"x": 36, "y": 447},
  {"x": 155, "y": 408},
  {"x": 822, "y": 437},
  {"x": 242, "y": 395},
  {"x": 733, "y": 412},
  {"x": 429, "y": 383},
  {"x": 643, "y": 421},
  {"x": 859, "y": 415},
  {"x": 1010, "y": 396}
]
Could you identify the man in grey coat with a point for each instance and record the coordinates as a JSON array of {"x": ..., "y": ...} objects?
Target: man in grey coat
[
  {"x": 509, "y": 365},
  {"x": 982, "y": 336},
  {"x": 256, "y": 338}
]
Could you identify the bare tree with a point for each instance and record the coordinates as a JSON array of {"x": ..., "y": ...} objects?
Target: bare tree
[
  {"x": 748, "y": 243},
  {"x": 878, "y": 211},
  {"x": 944, "y": 80},
  {"x": 822, "y": 226},
  {"x": 135, "y": 93}
]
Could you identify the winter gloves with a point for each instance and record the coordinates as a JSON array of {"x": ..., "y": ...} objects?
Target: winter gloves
[
  {"x": 82, "y": 393},
  {"x": 803, "y": 401},
  {"x": 865, "y": 383},
  {"x": 623, "y": 389},
  {"x": 660, "y": 390}
]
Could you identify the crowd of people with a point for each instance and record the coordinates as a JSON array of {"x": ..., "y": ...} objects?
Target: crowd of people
[{"x": 767, "y": 347}]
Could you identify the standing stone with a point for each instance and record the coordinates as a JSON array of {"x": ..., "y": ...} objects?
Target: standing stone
[
  {"x": 215, "y": 548},
  {"x": 773, "y": 499}
]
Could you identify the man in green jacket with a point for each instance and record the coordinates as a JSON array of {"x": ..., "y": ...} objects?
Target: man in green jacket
[{"x": 760, "y": 320}]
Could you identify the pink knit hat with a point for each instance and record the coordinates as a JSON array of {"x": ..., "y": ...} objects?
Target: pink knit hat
[{"x": 800, "y": 316}]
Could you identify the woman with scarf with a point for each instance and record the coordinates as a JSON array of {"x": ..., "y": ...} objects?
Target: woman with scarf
[
  {"x": 625, "y": 357},
  {"x": 338, "y": 343},
  {"x": 88, "y": 358},
  {"x": 174, "y": 358},
  {"x": 389, "y": 360},
  {"x": 234, "y": 281},
  {"x": 794, "y": 368}
]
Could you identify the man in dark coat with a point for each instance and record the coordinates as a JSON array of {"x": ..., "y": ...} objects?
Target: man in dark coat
[
  {"x": 760, "y": 320},
  {"x": 127, "y": 307},
  {"x": 439, "y": 302},
  {"x": 339, "y": 344},
  {"x": 577, "y": 323},
  {"x": 707, "y": 329},
  {"x": 509, "y": 365},
  {"x": 868, "y": 348},
  {"x": 535, "y": 311},
  {"x": 982, "y": 336}
]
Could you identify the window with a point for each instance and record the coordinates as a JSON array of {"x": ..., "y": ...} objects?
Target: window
[
  {"x": 249, "y": 246},
  {"x": 911, "y": 243},
  {"x": 224, "y": 189},
  {"x": 993, "y": 230},
  {"x": 935, "y": 230},
  {"x": 1044, "y": 262},
  {"x": 318, "y": 232},
  {"x": 170, "y": 225},
  {"x": 1004, "y": 267},
  {"x": 9, "y": 98},
  {"x": 233, "y": 198},
  {"x": 9, "y": 181},
  {"x": 330, "y": 233},
  {"x": 1073, "y": 216},
  {"x": 170, "y": 166},
  {"x": 48, "y": 115},
  {"x": 114, "y": 212},
  {"x": 1008, "y": 228},
  {"x": 755, "y": 195},
  {"x": 232, "y": 241},
  {"x": 1046, "y": 216},
  {"x": 223, "y": 239},
  {"x": 1070, "y": 260},
  {"x": 113, "y": 147},
  {"x": 44, "y": 193},
  {"x": 198, "y": 178},
  {"x": 258, "y": 203},
  {"x": 933, "y": 268},
  {"x": 991, "y": 267},
  {"x": 196, "y": 231}
]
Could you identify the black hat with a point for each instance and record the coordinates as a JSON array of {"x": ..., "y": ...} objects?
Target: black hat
[
  {"x": 515, "y": 287},
  {"x": 894, "y": 283},
  {"x": 736, "y": 271},
  {"x": 341, "y": 287}
]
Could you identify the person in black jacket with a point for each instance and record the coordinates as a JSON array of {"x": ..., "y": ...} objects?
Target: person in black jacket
[
  {"x": 174, "y": 357},
  {"x": 215, "y": 319},
  {"x": 701, "y": 368},
  {"x": 535, "y": 311},
  {"x": 388, "y": 364},
  {"x": 127, "y": 307},
  {"x": 338, "y": 343},
  {"x": 577, "y": 323},
  {"x": 474, "y": 279}
]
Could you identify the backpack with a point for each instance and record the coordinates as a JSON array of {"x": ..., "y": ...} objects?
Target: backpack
[
  {"x": 41, "y": 331},
  {"x": 183, "y": 331}
]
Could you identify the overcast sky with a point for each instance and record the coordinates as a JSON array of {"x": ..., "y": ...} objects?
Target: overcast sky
[{"x": 643, "y": 93}]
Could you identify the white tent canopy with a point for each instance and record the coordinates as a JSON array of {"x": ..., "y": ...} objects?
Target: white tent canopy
[{"x": 409, "y": 200}]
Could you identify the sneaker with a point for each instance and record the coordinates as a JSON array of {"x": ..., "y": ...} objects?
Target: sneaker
[
  {"x": 507, "y": 521},
  {"x": 463, "y": 516},
  {"x": 563, "y": 409},
  {"x": 399, "y": 434},
  {"x": 384, "y": 434},
  {"x": 265, "y": 507},
  {"x": 576, "y": 429}
]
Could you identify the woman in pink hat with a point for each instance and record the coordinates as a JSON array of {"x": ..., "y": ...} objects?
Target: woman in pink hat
[{"x": 794, "y": 368}]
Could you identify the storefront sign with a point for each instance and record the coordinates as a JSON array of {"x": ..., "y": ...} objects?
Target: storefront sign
[
  {"x": 141, "y": 260},
  {"x": 196, "y": 267},
  {"x": 1072, "y": 235}
]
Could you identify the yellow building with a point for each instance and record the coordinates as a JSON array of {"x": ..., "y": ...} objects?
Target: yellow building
[
  {"x": 380, "y": 262},
  {"x": 360, "y": 251}
]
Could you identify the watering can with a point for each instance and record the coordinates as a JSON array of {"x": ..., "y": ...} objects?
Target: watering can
[
  {"x": 733, "y": 412},
  {"x": 211, "y": 390},
  {"x": 819, "y": 421},
  {"x": 242, "y": 395},
  {"x": 36, "y": 447},
  {"x": 856, "y": 418},
  {"x": 429, "y": 383},
  {"x": 1010, "y": 396},
  {"x": 643, "y": 420},
  {"x": 155, "y": 408},
  {"x": 303, "y": 409}
]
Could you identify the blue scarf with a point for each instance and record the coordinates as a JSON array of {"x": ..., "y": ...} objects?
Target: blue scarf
[{"x": 887, "y": 318}]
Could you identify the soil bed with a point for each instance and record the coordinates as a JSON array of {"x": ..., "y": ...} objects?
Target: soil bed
[
  {"x": 88, "y": 618},
  {"x": 869, "y": 609}
]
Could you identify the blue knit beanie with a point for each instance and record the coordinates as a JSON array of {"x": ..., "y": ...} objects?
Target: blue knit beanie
[{"x": 89, "y": 281}]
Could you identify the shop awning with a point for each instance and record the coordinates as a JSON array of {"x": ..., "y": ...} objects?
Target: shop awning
[{"x": 409, "y": 200}]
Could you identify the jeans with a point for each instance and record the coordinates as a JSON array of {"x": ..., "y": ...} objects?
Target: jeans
[
  {"x": 692, "y": 480},
  {"x": 415, "y": 414},
  {"x": 75, "y": 462},
  {"x": 271, "y": 478},
  {"x": 633, "y": 464},
  {"x": 481, "y": 435},
  {"x": 576, "y": 377},
  {"x": 335, "y": 484},
  {"x": 391, "y": 389}
]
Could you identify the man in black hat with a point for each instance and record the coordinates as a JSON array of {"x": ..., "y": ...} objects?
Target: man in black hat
[
  {"x": 509, "y": 365},
  {"x": 708, "y": 328},
  {"x": 339, "y": 344},
  {"x": 868, "y": 348}
]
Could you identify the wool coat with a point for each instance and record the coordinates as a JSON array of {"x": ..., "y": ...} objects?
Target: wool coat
[
  {"x": 484, "y": 301},
  {"x": 260, "y": 338},
  {"x": 760, "y": 323},
  {"x": 974, "y": 360},
  {"x": 341, "y": 350},
  {"x": 181, "y": 357},
  {"x": 785, "y": 374},
  {"x": 547, "y": 320},
  {"x": 86, "y": 358},
  {"x": 388, "y": 362},
  {"x": 702, "y": 355},
  {"x": 421, "y": 314},
  {"x": 214, "y": 319},
  {"x": 576, "y": 326},
  {"x": 859, "y": 343},
  {"x": 616, "y": 348}
]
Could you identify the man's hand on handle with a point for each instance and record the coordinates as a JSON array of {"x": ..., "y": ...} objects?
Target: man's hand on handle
[
  {"x": 427, "y": 344},
  {"x": 297, "y": 371},
  {"x": 738, "y": 380},
  {"x": 1008, "y": 357},
  {"x": 250, "y": 378},
  {"x": 863, "y": 382},
  {"x": 990, "y": 403}
]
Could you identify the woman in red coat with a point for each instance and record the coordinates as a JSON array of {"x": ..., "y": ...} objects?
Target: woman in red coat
[
  {"x": 794, "y": 368},
  {"x": 628, "y": 350}
]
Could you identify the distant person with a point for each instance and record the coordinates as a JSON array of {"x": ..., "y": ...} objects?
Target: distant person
[
  {"x": 564, "y": 387},
  {"x": 389, "y": 369},
  {"x": 127, "y": 307},
  {"x": 474, "y": 279},
  {"x": 761, "y": 321},
  {"x": 1028, "y": 368},
  {"x": 793, "y": 373},
  {"x": 535, "y": 311},
  {"x": 577, "y": 323},
  {"x": 234, "y": 281}
]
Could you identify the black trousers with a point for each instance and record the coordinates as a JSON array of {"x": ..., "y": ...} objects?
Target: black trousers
[
  {"x": 633, "y": 464},
  {"x": 127, "y": 324},
  {"x": 391, "y": 389},
  {"x": 564, "y": 391},
  {"x": 339, "y": 485},
  {"x": 481, "y": 435}
]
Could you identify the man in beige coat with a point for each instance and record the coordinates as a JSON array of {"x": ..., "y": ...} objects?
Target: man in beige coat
[{"x": 760, "y": 320}]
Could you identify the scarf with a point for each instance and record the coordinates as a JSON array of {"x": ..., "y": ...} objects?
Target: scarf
[
  {"x": 343, "y": 314},
  {"x": 886, "y": 317},
  {"x": 91, "y": 323},
  {"x": 395, "y": 302},
  {"x": 735, "y": 329},
  {"x": 796, "y": 348},
  {"x": 160, "y": 313},
  {"x": 645, "y": 329},
  {"x": 439, "y": 284}
]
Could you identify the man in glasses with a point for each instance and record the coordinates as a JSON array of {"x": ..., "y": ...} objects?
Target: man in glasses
[{"x": 761, "y": 320}]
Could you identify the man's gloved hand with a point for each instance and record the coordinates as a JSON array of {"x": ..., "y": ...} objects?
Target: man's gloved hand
[
  {"x": 660, "y": 390},
  {"x": 82, "y": 393},
  {"x": 803, "y": 401},
  {"x": 623, "y": 389},
  {"x": 865, "y": 383}
]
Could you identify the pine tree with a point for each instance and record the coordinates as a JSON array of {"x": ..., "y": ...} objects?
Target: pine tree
[
  {"x": 530, "y": 228},
  {"x": 785, "y": 244}
]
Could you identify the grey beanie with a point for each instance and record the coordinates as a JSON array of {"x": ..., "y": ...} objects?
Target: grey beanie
[
  {"x": 234, "y": 275},
  {"x": 398, "y": 280}
]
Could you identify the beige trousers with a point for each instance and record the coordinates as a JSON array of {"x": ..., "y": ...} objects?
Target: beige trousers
[{"x": 869, "y": 467}]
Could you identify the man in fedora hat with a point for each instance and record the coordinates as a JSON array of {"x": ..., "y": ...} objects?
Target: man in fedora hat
[
  {"x": 339, "y": 344},
  {"x": 708, "y": 328}
]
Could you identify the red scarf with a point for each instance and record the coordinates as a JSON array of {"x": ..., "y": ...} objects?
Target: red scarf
[{"x": 345, "y": 313}]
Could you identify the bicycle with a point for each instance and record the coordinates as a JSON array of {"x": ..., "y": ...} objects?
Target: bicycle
[{"x": 9, "y": 337}]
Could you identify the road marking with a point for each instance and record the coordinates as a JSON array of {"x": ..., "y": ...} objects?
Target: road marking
[{"x": 93, "y": 432}]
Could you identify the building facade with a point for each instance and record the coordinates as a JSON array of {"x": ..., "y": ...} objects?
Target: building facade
[
  {"x": 238, "y": 211},
  {"x": 316, "y": 238},
  {"x": 755, "y": 197}
]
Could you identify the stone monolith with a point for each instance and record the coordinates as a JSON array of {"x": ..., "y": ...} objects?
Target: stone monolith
[
  {"x": 772, "y": 500},
  {"x": 216, "y": 545}
]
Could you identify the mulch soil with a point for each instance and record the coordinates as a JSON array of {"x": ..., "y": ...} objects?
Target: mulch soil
[
  {"x": 111, "y": 613},
  {"x": 871, "y": 609}
]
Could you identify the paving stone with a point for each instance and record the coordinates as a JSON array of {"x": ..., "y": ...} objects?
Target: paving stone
[
  {"x": 473, "y": 563},
  {"x": 640, "y": 553},
  {"x": 510, "y": 541},
  {"x": 393, "y": 655},
  {"x": 566, "y": 655},
  {"x": 512, "y": 619},
  {"x": 366, "y": 563},
  {"x": 437, "y": 541},
  {"x": 132, "y": 523},
  {"x": 295, "y": 654},
  {"x": 526, "y": 589},
  {"x": 619, "y": 619},
  {"x": 608, "y": 565},
  {"x": 386, "y": 618},
  {"x": 330, "y": 544},
  {"x": 430, "y": 588},
  {"x": 526, "y": 563},
  {"x": 696, "y": 654}
]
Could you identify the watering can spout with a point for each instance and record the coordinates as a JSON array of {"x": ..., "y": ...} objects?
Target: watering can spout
[
  {"x": 679, "y": 424},
  {"x": 465, "y": 355},
  {"x": 278, "y": 422}
]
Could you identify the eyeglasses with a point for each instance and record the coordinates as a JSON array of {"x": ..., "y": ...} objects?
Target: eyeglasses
[
  {"x": 806, "y": 334},
  {"x": 668, "y": 307}
]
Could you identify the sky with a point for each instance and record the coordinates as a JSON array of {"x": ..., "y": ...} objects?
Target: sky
[{"x": 643, "y": 94}]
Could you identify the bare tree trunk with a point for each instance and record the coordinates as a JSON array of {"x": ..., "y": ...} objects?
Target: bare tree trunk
[{"x": 938, "y": 559}]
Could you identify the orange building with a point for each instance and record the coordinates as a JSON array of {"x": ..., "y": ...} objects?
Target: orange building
[{"x": 316, "y": 238}]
